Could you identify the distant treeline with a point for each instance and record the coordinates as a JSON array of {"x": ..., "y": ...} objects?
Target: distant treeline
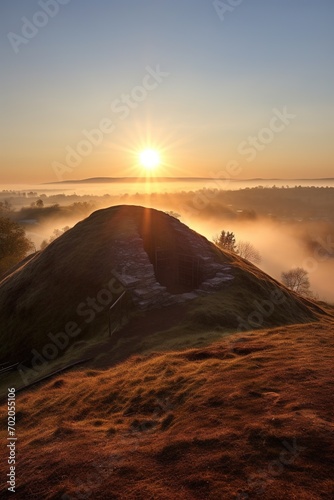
[{"x": 305, "y": 203}]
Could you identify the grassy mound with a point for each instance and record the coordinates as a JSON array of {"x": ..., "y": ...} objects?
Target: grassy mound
[{"x": 42, "y": 296}]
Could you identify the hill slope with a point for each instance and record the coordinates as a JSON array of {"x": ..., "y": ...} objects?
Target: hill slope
[
  {"x": 247, "y": 417},
  {"x": 70, "y": 286}
]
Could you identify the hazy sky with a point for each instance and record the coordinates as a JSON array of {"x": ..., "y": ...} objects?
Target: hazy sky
[{"x": 231, "y": 88}]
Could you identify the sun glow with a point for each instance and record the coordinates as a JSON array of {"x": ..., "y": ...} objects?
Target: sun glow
[{"x": 149, "y": 159}]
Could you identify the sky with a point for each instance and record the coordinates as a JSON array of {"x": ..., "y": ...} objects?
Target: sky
[{"x": 235, "y": 88}]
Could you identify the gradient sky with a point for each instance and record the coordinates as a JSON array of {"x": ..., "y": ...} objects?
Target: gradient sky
[{"x": 225, "y": 78}]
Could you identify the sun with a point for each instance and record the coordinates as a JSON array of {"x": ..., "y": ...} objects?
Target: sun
[{"x": 149, "y": 159}]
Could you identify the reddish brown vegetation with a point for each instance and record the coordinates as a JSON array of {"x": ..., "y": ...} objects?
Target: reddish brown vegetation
[{"x": 248, "y": 417}]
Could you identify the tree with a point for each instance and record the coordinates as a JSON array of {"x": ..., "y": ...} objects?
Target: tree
[
  {"x": 39, "y": 203},
  {"x": 82, "y": 207},
  {"x": 14, "y": 245},
  {"x": 5, "y": 208},
  {"x": 297, "y": 280},
  {"x": 226, "y": 241},
  {"x": 247, "y": 251},
  {"x": 176, "y": 215},
  {"x": 56, "y": 234}
]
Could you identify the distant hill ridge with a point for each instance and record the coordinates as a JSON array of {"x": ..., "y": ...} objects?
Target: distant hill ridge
[{"x": 175, "y": 179}]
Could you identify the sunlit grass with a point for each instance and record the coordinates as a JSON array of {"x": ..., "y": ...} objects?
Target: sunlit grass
[{"x": 206, "y": 412}]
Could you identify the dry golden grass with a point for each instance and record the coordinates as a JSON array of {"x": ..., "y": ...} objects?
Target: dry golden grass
[{"x": 247, "y": 417}]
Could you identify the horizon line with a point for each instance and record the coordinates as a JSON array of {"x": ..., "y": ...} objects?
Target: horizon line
[{"x": 175, "y": 179}]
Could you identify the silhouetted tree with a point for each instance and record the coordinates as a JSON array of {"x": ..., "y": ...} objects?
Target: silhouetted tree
[
  {"x": 82, "y": 207},
  {"x": 56, "y": 234},
  {"x": 39, "y": 203},
  {"x": 176, "y": 215},
  {"x": 297, "y": 280},
  {"x": 226, "y": 241},
  {"x": 247, "y": 251},
  {"x": 14, "y": 245},
  {"x": 5, "y": 208}
]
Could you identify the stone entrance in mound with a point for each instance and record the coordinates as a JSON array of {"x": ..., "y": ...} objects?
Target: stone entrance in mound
[
  {"x": 160, "y": 261},
  {"x": 179, "y": 273},
  {"x": 175, "y": 268}
]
